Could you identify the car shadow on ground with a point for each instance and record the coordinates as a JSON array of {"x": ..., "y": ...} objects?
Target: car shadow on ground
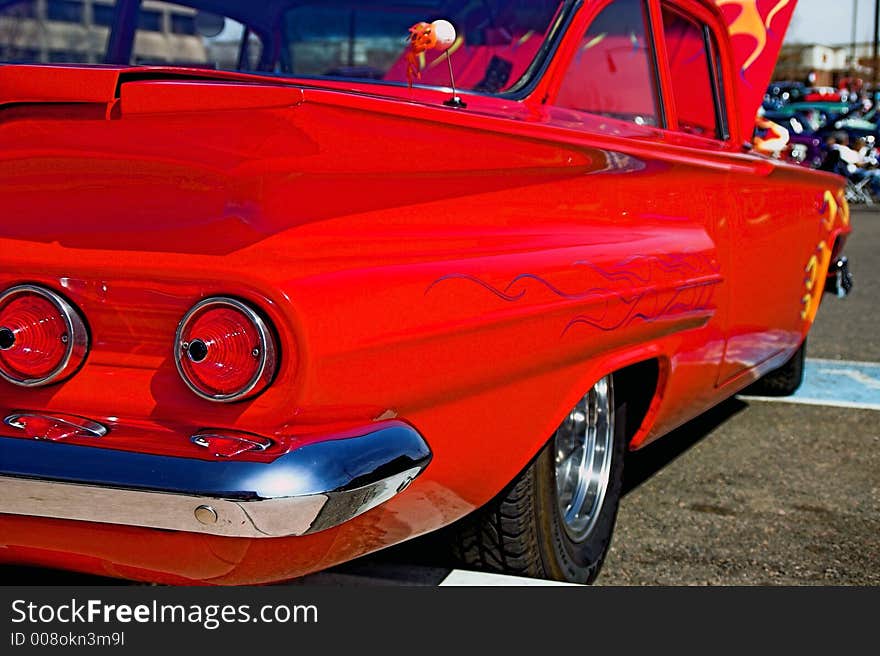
[
  {"x": 426, "y": 561},
  {"x": 641, "y": 465}
]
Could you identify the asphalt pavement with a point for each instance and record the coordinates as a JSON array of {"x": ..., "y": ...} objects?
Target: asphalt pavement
[
  {"x": 758, "y": 492},
  {"x": 751, "y": 493},
  {"x": 847, "y": 329}
]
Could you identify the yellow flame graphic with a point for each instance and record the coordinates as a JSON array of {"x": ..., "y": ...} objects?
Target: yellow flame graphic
[
  {"x": 749, "y": 23},
  {"x": 835, "y": 208},
  {"x": 816, "y": 266},
  {"x": 831, "y": 208}
]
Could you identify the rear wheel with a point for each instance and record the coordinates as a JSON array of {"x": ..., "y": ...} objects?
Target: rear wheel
[
  {"x": 784, "y": 381},
  {"x": 556, "y": 519}
]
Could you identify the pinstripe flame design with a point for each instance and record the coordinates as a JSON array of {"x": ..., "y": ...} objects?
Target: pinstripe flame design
[{"x": 639, "y": 288}]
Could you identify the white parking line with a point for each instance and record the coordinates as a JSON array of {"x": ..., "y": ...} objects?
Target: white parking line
[
  {"x": 835, "y": 383},
  {"x": 390, "y": 573},
  {"x": 806, "y": 401},
  {"x": 460, "y": 577}
]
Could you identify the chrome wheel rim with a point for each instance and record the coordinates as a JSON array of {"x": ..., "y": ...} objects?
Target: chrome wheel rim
[{"x": 583, "y": 446}]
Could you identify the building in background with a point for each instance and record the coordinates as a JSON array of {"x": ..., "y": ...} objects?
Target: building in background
[
  {"x": 797, "y": 61},
  {"x": 829, "y": 64}
]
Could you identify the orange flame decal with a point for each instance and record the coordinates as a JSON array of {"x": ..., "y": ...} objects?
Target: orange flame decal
[{"x": 750, "y": 23}]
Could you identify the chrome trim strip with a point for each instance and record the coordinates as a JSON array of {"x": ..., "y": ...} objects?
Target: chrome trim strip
[
  {"x": 268, "y": 350},
  {"x": 78, "y": 337},
  {"x": 252, "y": 442},
  {"x": 310, "y": 489},
  {"x": 90, "y": 428}
]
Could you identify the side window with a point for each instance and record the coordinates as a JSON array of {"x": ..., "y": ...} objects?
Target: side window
[
  {"x": 21, "y": 34},
  {"x": 75, "y": 31},
  {"x": 171, "y": 33},
  {"x": 690, "y": 49},
  {"x": 45, "y": 31},
  {"x": 338, "y": 40},
  {"x": 613, "y": 71}
]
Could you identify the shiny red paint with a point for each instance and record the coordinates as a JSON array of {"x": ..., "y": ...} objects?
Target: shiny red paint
[{"x": 471, "y": 272}]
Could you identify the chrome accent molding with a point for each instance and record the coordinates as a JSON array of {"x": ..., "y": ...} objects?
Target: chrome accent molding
[
  {"x": 247, "y": 441},
  {"x": 268, "y": 350},
  {"x": 82, "y": 427},
  {"x": 77, "y": 337},
  {"x": 310, "y": 489}
]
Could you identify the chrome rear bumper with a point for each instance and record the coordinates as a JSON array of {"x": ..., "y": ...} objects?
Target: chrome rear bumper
[{"x": 312, "y": 488}]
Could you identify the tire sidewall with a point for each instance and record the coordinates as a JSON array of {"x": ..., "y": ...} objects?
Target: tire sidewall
[{"x": 567, "y": 560}]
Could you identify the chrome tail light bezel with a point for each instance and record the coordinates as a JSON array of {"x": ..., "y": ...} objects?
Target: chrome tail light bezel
[
  {"x": 77, "y": 334},
  {"x": 268, "y": 362}
]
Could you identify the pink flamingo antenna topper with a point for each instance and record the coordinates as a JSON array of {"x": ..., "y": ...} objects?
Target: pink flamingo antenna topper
[{"x": 423, "y": 36}]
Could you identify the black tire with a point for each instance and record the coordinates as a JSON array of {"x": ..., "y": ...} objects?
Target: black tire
[
  {"x": 784, "y": 381},
  {"x": 522, "y": 532}
]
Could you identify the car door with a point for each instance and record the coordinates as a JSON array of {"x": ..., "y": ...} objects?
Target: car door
[{"x": 669, "y": 177}]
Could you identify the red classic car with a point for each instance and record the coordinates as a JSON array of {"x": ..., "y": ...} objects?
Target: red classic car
[{"x": 283, "y": 283}]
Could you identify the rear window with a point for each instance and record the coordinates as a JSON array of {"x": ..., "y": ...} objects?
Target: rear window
[
  {"x": 164, "y": 33},
  {"x": 499, "y": 42}
]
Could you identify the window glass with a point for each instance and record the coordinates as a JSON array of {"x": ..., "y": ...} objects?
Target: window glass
[
  {"x": 612, "y": 72},
  {"x": 68, "y": 11},
  {"x": 20, "y": 32},
  {"x": 167, "y": 33},
  {"x": 692, "y": 84},
  {"x": 58, "y": 31},
  {"x": 174, "y": 34},
  {"x": 150, "y": 20},
  {"x": 22, "y": 9},
  {"x": 496, "y": 40},
  {"x": 102, "y": 14},
  {"x": 183, "y": 24},
  {"x": 319, "y": 39},
  {"x": 63, "y": 56}
]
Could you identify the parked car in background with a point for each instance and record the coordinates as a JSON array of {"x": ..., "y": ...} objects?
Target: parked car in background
[
  {"x": 277, "y": 292},
  {"x": 807, "y": 150},
  {"x": 782, "y": 93},
  {"x": 811, "y": 124},
  {"x": 824, "y": 108},
  {"x": 859, "y": 125},
  {"x": 823, "y": 94}
]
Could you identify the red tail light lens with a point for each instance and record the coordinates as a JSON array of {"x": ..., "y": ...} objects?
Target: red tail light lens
[
  {"x": 225, "y": 351},
  {"x": 43, "y": 339}
]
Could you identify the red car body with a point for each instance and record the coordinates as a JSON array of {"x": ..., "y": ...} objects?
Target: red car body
[{"x": 465, "y": 272}]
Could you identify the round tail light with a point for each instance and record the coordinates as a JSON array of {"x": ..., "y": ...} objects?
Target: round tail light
[
  {"x": 225, "y": 351},
  {"x": 43, "y": 339}
]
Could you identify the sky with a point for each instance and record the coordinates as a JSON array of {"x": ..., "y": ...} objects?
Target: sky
[{"x": 829, "y": 22}]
